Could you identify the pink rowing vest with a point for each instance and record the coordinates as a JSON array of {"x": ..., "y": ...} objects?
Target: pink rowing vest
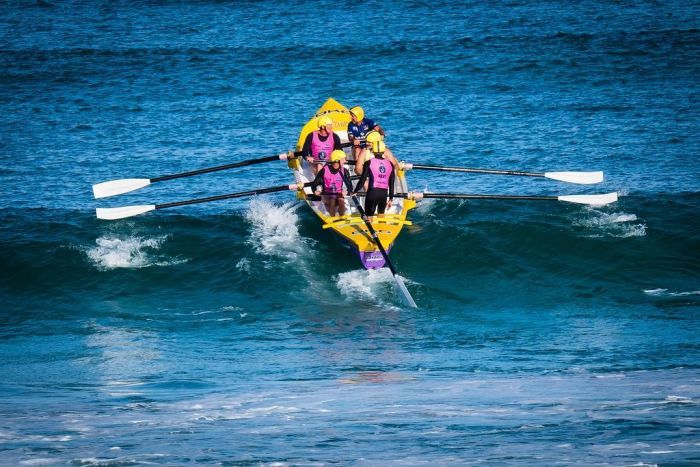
[
  {"x": 381, "y": 171},
  {"x": 332, "y": 182},
  {"x": 321, "y": 150}
]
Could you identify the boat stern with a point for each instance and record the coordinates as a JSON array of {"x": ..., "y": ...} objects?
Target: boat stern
[{"x": 372, "y": 259}]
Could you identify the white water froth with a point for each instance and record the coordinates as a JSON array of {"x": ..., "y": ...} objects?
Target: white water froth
[
  {"x": 112, "y": 252},
  {"x": 275, "y": 231},
  {"x": 666, "y": 293},
  {"x": 369, "y": 284},
  {"x": 243, "y": 265},
  {"x": 678, "y": 400},
  {"x": 611, "y": 224},
  {"x": 41, "y": 461}
]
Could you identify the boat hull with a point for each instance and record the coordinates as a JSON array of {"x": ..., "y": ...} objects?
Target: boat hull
[{"x": 351, "y": 228}]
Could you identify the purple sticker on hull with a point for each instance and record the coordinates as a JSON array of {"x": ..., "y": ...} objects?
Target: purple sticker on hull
[{"x": 372, "y": 259}]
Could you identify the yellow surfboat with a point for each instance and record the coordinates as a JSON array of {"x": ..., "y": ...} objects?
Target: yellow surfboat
[{"x": 350, "y": 227}]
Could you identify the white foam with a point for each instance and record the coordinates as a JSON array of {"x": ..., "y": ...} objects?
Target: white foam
[
  {"x": 364, "y": 284},
  {"x": 275, "y": 230},
  {"x": 655, "y": 291},
  {"x": 678, "y": 400},
  {"x": 112, "y": 252},
  {"x": 611, "y": 224},
  {"x": 40, "y": 461},
  {"x": 666, "y": 293},
  {"x": 237, "y": 413},
  {"x": 243, "y": 265}
]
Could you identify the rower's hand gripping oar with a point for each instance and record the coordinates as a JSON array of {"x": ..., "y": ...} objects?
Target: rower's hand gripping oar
[
  {"x": 125, "y": 185},
  {"x": 375, "y": 237},
  {"x": 591, "y": 200},
  {"x": 583, "y": 178},
  {"x": 128, "y": 211}
]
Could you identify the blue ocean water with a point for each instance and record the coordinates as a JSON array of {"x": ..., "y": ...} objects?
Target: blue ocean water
[{"x": 240, "y": 332}]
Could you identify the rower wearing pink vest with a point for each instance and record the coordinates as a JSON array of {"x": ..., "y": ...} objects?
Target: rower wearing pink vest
[
  {"x": 329, "y": 183},
  {"x": 319, "y": 144},
  {"x": 365, "y": 153},
  {"x": 381, "y": 175}
]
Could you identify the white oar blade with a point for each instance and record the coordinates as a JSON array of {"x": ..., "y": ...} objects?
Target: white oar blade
[
  {"x": 122, "y": 212},
  {"x": 593, "y": 200},
  {"x": 582, "y": 178},
  {"x": 117, "y": 187},
  {"x": 404, "y": 292}
]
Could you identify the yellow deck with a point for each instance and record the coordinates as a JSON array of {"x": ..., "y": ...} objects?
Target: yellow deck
[{"x": 351, "y": 227}]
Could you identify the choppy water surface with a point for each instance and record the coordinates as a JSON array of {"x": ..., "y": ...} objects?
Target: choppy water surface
[{"x": 241, "y": 333}]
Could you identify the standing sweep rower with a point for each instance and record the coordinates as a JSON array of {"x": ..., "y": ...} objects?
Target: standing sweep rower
[
  {"x": 319, "y": 144},
  {"x": 365, "y": 154},
  {"x": 381, "y": 175},
  {"x": 329, "y": 184}
]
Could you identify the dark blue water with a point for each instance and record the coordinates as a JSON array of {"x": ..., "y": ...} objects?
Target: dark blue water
[{"x": 240, "y": 332}]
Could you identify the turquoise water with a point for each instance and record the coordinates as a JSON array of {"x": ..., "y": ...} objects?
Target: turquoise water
[{"x": 240, "y": 332}]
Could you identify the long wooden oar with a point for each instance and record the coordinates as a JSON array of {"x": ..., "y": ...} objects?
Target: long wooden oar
[
  {"x": 593, "y": 200},
  {"x": 583, "y": 178},
  {"x": 125, "y": 185},
  {"x": 128, "y": 211},
  {"x": 375, "y": 237}
]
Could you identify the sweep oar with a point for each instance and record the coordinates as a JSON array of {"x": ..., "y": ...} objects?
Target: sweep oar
[
  {"x": 583, "y": 178},
  {"x": 125, "y": 185},
  {"x": 593, "y": 200},
  {"x": 375, "y": 237},
  {"x": 128, "y": 211}
]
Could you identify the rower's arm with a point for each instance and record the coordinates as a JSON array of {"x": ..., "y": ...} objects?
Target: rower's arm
[
  {"x": 378, "y": 127},
  {"x": 318, "y": 180},
  {"x": 363, "y": 177},
  {"x": 346, "y": 179},
  {"x": 392, "y": 178},
  {"x": 351, "y": 134},
  {"x": 306, "y": 150}
]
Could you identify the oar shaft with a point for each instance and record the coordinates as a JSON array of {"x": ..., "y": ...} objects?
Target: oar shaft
[
  {"x": 477, "y": 196},
  {"x": 217, "y": 168},
  {"x": 591, "y": 200},
  {"x": 228, "y": 196},
  {"x": 234, "y": 165},
  {"x": 472, "y": 170},
  {"x": 375, "y": 238},
  {"x": 370, "y": 228},
  {"x": 418, "y": 196}
]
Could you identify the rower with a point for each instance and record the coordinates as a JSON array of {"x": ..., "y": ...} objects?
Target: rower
[
  {"x": 329, "y": 184},
  {"x": 320, "y": 143},
  {"x": 381, "y": 175},
  {"x": 366, "y": 153},
  {"x": 358, "y": 129}
]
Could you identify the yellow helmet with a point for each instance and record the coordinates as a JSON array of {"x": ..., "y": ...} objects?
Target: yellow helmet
[
  {"x": 378, "y": 147},
  {"x": 358, "y": 112},
  {"x": 337, "y": 155},
  {"x": 324, "y": 120},
  {"x": 373, "y": 137}
]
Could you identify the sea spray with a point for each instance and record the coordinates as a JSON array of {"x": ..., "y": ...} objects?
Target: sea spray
[
  {"x": 597, "y": 223},
  {"x": 274, "y": 229},
  {"x": 372, "y": 285},
  {"x": 113, "y": 252}
]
